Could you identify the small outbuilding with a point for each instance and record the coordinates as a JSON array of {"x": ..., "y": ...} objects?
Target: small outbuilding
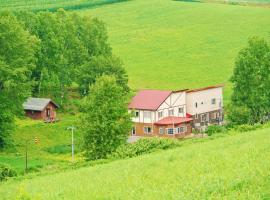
[{"x": 40, "y": 109}]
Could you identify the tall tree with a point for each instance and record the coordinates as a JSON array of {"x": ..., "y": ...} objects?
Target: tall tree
[
  {"x": 251, "y": 81},
  {"x": 17, "y": 60},
  {"x": 99, "y": 66},
  {"x": 106, "y": 122}
]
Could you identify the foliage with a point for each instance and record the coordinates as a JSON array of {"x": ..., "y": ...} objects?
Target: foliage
[
  {"x": 211, "y": 130},
  {"x": 106, "y": 122},
  {"x": 238, "y": 115},
  {"x": 17, "y": 60},
  {"x": 230, "y": 167},
  {"x": 251, "y": 81},
  {"x": 59, "y": 149},
  {"x": 144, "y": 146},
  {"x": 247, "y": 127},
  {"x": 98, "y": 66},
  {"x": 6, "y": 172}
]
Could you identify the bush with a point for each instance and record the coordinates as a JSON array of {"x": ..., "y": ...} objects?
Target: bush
[
  {"x": 247, "y": 127},
  {"x": 6, "y": 171},
  {"x": 215, "y": 129},
  {"x": 59, "y": 149},
  {"x": 143, "y": 146}
]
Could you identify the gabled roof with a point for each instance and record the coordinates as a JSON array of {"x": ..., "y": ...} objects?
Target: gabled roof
[
  {"x": 37, "y": 104},
  {"x": 205, "y": 88},
  {"x": 149, "y": 99},
  {"x": 173, "y": 120}
]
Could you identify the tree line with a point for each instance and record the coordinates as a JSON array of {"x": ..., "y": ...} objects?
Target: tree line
[{"x": 43, "y": 53}]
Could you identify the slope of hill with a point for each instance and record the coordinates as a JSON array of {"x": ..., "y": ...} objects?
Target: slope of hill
[
  {"x": 231, "y": 167},
  {"x": 170, "y": 44}
]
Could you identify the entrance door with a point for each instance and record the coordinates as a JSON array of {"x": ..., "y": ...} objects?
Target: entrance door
[{"x": 48, "y": 112}]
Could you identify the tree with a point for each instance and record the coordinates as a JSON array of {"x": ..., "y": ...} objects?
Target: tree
[
  {"x": 106, "y": 122},
  {"x": 251, "y": 81},
  {"x": 98, "y": 66},
  {"x": 17, "y": 60}
]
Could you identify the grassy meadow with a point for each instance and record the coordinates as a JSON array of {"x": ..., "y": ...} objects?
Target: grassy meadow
[
  {"x": 53, "y": 148},
  {"x": 231, "y": 167},
  {"x": 170, "y": 44}
]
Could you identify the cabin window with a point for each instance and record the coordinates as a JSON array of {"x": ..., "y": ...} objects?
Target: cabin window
[
  {"x": 147, "y": 129},
  {"x": 171, "y": 112},
  {"x": 170, "y": 131},
  {"x": 136, "y": 113},
  {"x": 196, "y": 116},
  {"x": 161, "y": 130},
  {"x": 181, "y": 110},
  {"x": 196, "y": 105},
  {"x": 213, "y": 101},
  {"x": 160, "y": 114}
]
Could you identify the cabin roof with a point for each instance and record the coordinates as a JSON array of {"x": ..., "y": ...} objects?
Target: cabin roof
[{"x": 37, "y": 104}]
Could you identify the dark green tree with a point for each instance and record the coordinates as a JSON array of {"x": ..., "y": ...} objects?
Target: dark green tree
[
  {"x": 105, "y": 122},
  {"x": 17, "y": 60},
  {"x": 251, "y": 82},
  {"x": 99, "y": 66}
]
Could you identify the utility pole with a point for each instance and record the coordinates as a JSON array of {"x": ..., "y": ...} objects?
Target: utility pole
[
  {"x": 26, "y": 156},
  {"x": 72, "y": 141}
]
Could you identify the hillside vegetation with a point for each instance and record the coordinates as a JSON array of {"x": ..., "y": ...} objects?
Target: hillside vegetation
[
  {"x": 170, "y": 44},
  {"x": 53, "y": 5},
  {"x": 231, "y": 167}
]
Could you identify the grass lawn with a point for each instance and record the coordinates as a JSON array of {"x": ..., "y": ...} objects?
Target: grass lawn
[
  {"x": 169, "y": 44},
  {"x": 53, "y": 147},
  {"x": 231, "y": 167}
]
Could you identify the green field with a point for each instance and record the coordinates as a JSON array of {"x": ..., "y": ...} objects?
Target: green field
[
  {"x": 53, "y": 147},
  {"x": 231, "y": 167},
  {"x": 53, "y": 5},
  {"x": 170, "y": 44}
]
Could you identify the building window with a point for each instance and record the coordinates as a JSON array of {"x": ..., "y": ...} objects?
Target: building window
[
  {"x": 170, "y": 131},
  {"x": 147, "y": 130},
  {"x": 161, "y": 130},
  {"x": 213, "y": 101},
  {"x": 218, "y": 115},
  {"x": 147, "y": 115},
  {"x": 196, "y": 105},
  {"x": 181, "y": 129},
  {"x": 181, "y": 110},
  {"x": 202, "y": 102},
  {"x": 196, "y": 116},
  {"x": 133, "y": 131},
  {"x": 203, "y": 117},
  {"x": 160, "y": 114},
  {"x": 136, "y": 113},
  {"x": 214, "y": 115},
  {"x": 171, "y": 112}
]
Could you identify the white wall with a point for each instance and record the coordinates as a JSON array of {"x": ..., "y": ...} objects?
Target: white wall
[
  {"x": 174, "y": 101},
  {"x": 203, "y": 99}
]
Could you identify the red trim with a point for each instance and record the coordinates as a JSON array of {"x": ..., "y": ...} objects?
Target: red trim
[
  {"x": 173, "y": 120},
  {"x": 206, "y": 88}
]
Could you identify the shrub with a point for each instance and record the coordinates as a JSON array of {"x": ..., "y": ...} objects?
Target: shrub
[
  {"x": 6, "y": 171},
  {"x": 247, "y": 127},
  {"x": 143, "y": 146},
  {"x": 59, "y": 149},
  {"x": 215, "y": 129}
]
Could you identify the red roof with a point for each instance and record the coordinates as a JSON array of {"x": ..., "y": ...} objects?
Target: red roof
[
  {"x": 173, "y": 120},
  {"x": 188, "y": 115},
  {"x": 149, "y": 99}
]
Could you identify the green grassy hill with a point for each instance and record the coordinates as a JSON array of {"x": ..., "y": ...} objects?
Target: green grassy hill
[
  {"x": 53, "y": 149},
  {"x": 170, "y": 44},
  {"x": 231, "y": 167}
]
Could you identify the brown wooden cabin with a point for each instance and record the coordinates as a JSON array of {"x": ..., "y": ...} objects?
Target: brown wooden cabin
[{"x": 40, "y": 109}]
